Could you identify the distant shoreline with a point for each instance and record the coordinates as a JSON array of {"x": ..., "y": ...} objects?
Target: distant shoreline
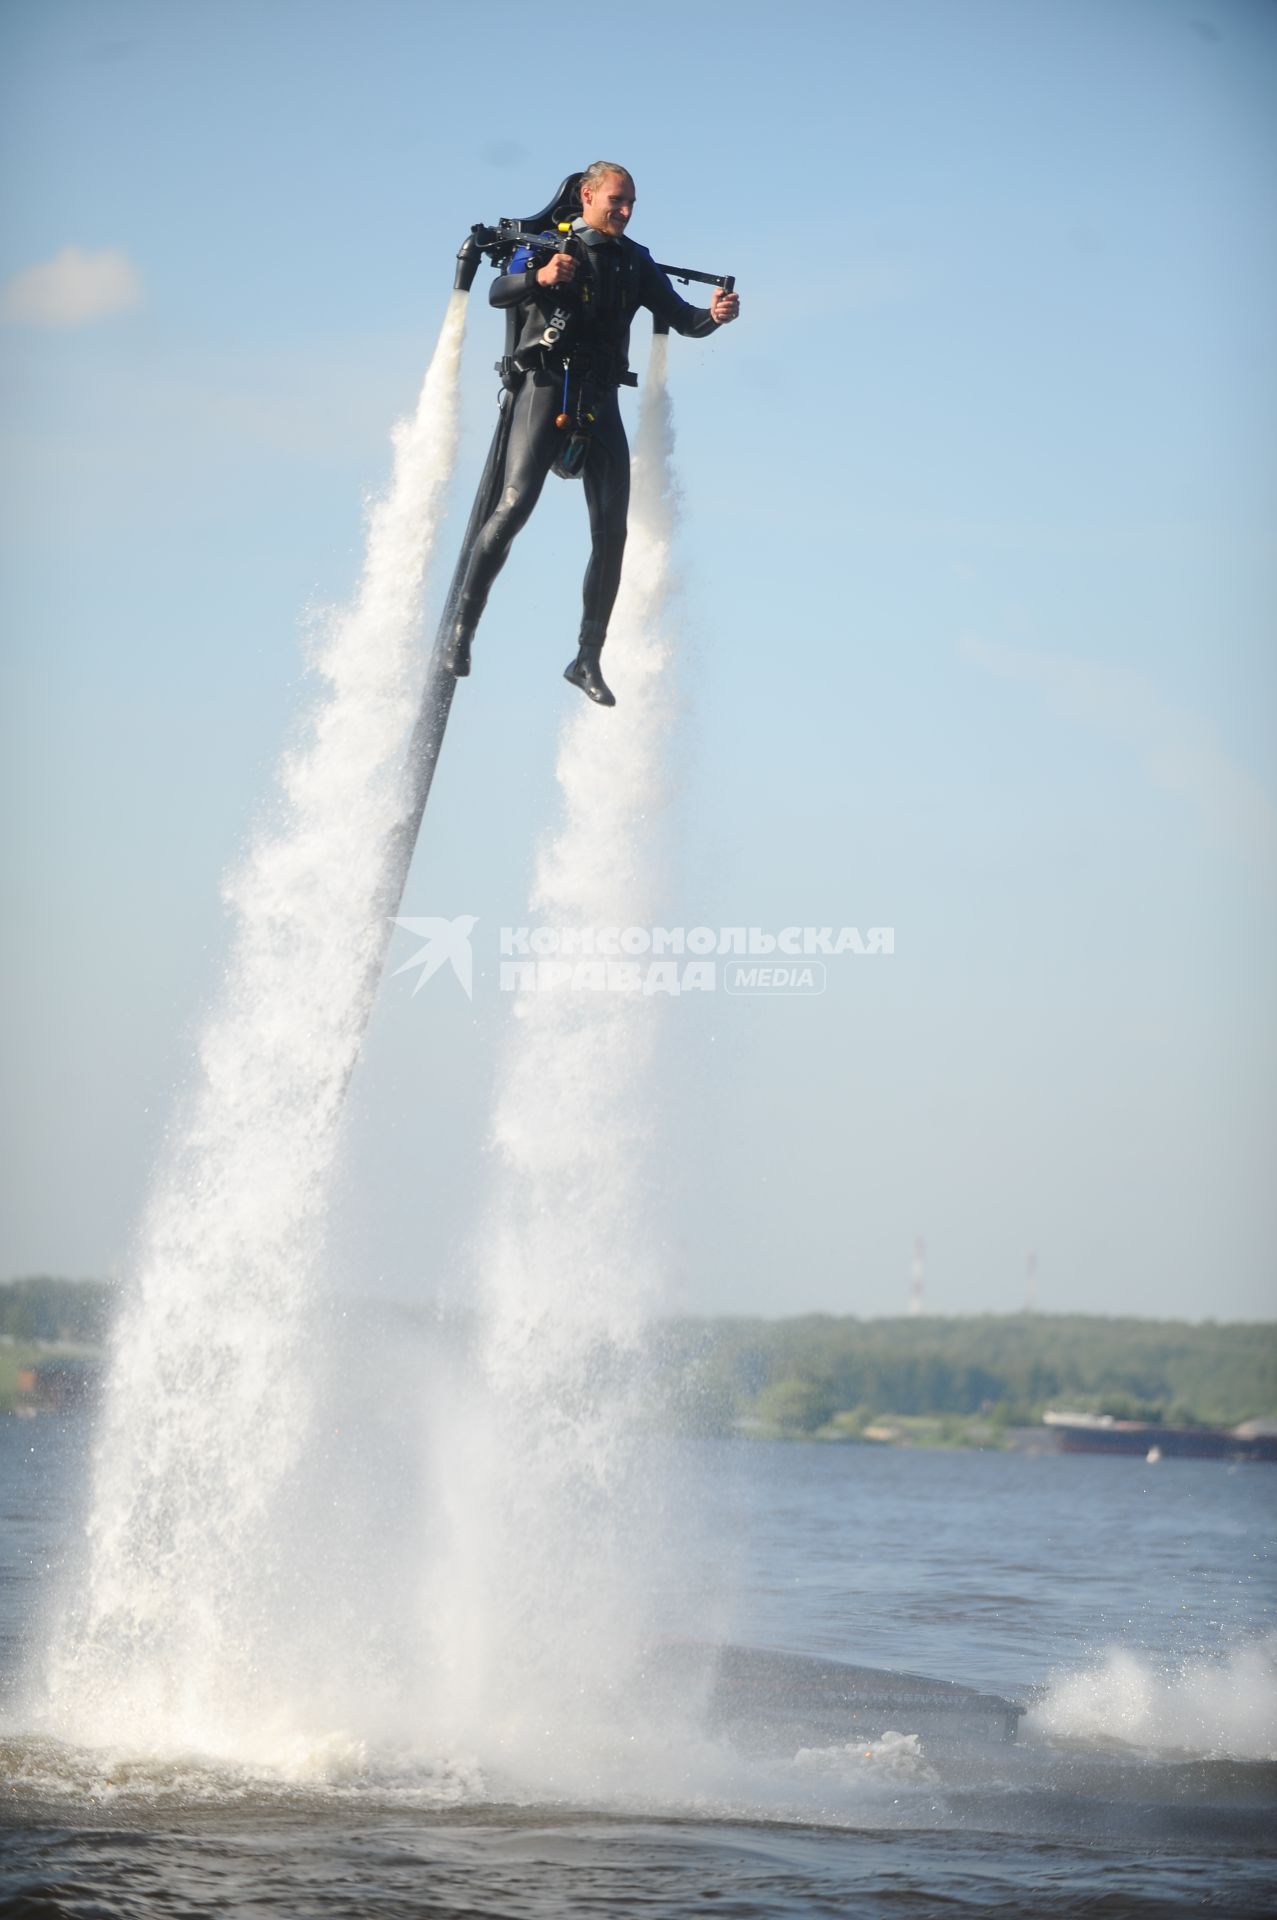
[{"x": 971, "y": 1380}]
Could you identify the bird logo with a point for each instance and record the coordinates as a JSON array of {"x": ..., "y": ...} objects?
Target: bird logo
[{"x": 447, "y": 942}]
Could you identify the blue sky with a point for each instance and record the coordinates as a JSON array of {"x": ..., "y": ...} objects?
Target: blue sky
[{"x": 979, "y": 580}]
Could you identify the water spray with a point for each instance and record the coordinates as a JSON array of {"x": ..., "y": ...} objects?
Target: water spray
[
  {"x": 536, "y": 1615},
  {"x": 207, "y": 1399}
]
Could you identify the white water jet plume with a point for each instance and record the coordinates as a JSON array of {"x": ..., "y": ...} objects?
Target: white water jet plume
[
  {"x": 533, "y": 1606},
  {"x": 1213, "y": 1709},
  {"x": 186, "y": 1630}
]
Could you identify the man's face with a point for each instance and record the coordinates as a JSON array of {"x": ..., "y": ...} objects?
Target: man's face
[{"x": 608, "y": 206}]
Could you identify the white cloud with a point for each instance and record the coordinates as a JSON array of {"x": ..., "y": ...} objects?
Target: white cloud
[
  {"x": 1177, "y": 751},
  {"x": 73, "y": 289}
]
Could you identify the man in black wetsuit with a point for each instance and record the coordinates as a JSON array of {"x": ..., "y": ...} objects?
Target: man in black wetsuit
[{"x": 573, "y": 349}]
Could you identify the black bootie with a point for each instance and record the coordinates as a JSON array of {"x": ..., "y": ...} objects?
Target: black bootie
[
  {"x": 585, "y": 672},
  {"x": 457, "y": 658}
]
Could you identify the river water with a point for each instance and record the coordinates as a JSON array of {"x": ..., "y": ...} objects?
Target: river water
[{"x": 1131, "y": 1607}]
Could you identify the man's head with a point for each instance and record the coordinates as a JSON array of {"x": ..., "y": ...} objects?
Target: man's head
[{"x": 607, "y": 197}]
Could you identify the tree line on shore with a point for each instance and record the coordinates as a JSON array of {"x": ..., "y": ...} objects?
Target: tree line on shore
[
  {"x": 44, "y": 1308},
  {"x": 803, "y": 1374}
]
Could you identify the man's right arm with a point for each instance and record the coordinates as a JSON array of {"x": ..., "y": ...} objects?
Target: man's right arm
[
  {"x": 523, "y": 279},
  {"x": 509, "y": 288}
]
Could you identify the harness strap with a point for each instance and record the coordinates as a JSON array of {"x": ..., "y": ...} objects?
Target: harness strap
[{"x": 545, "y": 360}]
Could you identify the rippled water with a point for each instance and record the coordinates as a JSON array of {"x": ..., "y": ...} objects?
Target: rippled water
[{"x": 1131, "y": 1607}]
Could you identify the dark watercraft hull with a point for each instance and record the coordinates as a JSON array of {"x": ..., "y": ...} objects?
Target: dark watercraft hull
[
  {"x": 1170, "y": 1443},
  {"x": 781, "y": 1701}
]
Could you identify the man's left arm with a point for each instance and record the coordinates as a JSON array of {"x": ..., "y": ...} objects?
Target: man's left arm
[{"x": 657, "y": 294}]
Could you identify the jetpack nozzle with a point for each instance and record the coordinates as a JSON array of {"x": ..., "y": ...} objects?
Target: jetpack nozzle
[{"x": 469, "y": 254}]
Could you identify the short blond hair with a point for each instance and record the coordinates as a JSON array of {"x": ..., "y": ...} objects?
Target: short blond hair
[{"x": 599, "y": 170}]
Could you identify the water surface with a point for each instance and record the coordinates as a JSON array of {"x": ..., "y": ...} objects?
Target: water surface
[{"x": 1130, "y": 1606}]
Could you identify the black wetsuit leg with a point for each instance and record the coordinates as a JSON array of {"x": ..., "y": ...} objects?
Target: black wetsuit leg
[
  {"x": 607, "y": 495},
  {"x": 534, "y": 443}
]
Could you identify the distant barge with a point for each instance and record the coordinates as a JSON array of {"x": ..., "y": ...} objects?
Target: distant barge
[{"x": 1101, "y": 1433}]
